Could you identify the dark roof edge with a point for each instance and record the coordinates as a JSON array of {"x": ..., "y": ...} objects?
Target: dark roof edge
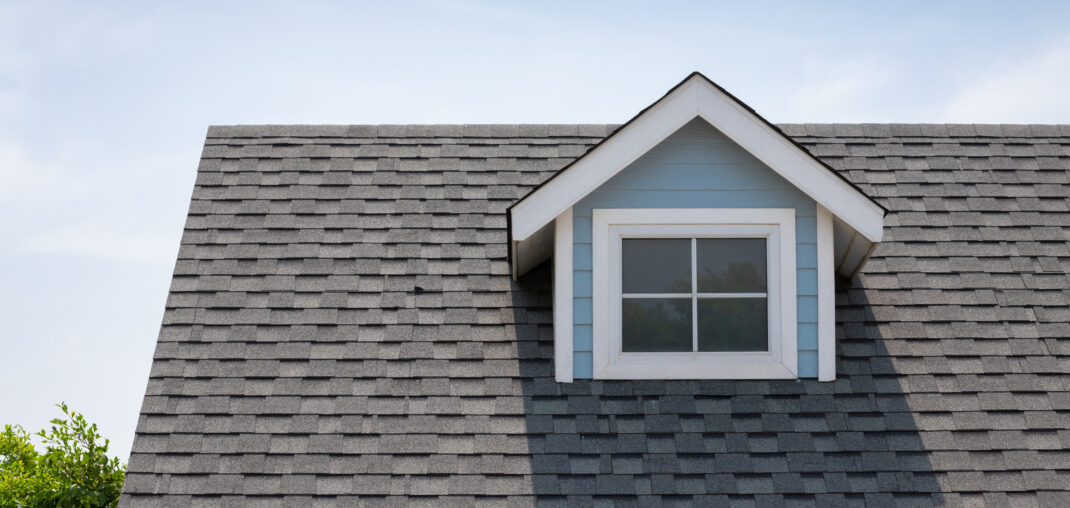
[
  {"x": 509, "y": 210},
  {"x": 412, "y": 130},
  {"x": 924, "y": 130},
  {"x": 806, "y": 130},
  {"x": 790, "y": 139}
]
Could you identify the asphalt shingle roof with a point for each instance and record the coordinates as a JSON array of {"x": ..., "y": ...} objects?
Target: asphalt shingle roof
[{"x": 342, "y": 329}]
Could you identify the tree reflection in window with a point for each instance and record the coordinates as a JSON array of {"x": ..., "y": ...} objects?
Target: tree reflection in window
[
  {"x": 656, "y": 325},
  {"x": 731, "y": 265}
]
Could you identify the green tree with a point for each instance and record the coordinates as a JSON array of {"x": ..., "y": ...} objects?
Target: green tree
[{"x": 73, "y": 471}]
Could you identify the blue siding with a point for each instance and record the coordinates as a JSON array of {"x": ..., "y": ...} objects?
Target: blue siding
[
  {"x": 581, "y": 312},
  {"x": 807, "y": 336},
  {"x": 581, "y": 256},
  {"x": 582, "y": 337},
  {"x": 807, "y": 312},
  {"x": 807, "y": 363},
  {"x": 581, "y": 283},
  {"x": 806, "y": 280},
  {"x": 697, "y": 167},
  {"x": 805, "y": 255},
  {"x": 583, "y": 368}
]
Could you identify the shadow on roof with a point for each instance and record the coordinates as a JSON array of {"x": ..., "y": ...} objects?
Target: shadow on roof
[{"x": 717, "y": 442}]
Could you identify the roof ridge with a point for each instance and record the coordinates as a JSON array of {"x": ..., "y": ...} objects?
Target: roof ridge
[
  {"x": 940, "y": 130},
  {"x": 483, "y": 130},
  {"x": 599, "y": 130}
]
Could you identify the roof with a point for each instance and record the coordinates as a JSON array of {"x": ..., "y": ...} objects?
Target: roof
[
  {"x": 697, "y": 96},
  {"x": 857, "y": 215},
  {"x": 342, "y": 326}
]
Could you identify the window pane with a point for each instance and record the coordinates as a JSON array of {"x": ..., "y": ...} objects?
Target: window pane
[
  {"x": 655, "y": 325},
  {"x": 731, "y": 265},
  {"x": 732, "y": 324},
  {"x": 656, "y": 265}
]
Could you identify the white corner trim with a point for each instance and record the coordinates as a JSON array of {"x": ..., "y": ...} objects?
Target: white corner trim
[
  {"x": 600, "y": 344},
  {"x": 826, "y": 298},
  {"x": 697, "y": 97},
  {"x": 789, "y": 273},
  {"x": 562, "y": 261},
  {"x": 778, "y": 225}
]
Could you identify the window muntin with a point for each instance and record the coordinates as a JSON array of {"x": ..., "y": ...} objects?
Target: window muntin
[{"x": 693, "y": 295}]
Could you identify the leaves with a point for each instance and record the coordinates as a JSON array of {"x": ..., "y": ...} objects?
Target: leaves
[{"x": 73, "y": 471}]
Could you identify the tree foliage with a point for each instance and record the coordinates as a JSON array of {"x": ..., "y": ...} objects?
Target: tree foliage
[{"x": 74, "y": 470}]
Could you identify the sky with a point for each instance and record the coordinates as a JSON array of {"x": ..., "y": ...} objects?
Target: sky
[{"x": 104, "y": 107}]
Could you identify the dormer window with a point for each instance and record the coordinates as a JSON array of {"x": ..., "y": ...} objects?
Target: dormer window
[
  {"x": 693, "y": 293},
  {"x": 697, "y": 241}
]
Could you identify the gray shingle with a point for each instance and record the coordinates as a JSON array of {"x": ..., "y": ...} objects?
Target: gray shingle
[{"x": 298, "y": 364}]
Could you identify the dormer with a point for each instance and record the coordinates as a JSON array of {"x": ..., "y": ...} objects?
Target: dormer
[{"x": 697, "y": 241}]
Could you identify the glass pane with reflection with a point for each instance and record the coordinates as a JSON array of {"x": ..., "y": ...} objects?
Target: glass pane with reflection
[
  {"x": 731, "y": 265},
  {"x": 733, "y": 324},
  {"x": 656, "y": 325},
  {"x": 656, "y": 265}
]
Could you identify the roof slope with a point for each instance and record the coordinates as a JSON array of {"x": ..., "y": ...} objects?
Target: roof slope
[{"x": 342, "y": 323}]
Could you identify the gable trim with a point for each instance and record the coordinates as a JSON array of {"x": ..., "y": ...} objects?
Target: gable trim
[{"x": 697, "y": 96}]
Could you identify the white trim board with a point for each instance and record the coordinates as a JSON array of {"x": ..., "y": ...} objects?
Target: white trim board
[
  {"x": 563, "y": 354},
  {"x": 697, "y": 96},
  {"x": 776, "y": 224},
  {"x": 826, "y": 298}
]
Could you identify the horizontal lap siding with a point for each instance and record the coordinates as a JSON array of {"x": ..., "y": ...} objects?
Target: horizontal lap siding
[{"x": 697, "y": 167}]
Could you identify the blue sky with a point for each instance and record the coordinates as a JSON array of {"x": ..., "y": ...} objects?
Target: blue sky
[{"x": 104, "y": 107}]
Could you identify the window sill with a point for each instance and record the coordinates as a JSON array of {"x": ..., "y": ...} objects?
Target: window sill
[{"x": 694, "y": 367}]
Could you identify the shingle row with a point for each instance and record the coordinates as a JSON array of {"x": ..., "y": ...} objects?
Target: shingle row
[{"x": 342, "y": 323}]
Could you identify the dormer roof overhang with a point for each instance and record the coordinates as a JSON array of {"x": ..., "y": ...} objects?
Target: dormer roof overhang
[{"x": 859, "y": 218}]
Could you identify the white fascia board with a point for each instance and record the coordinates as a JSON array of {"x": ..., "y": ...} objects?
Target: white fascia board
[
  {"x": 563, "y": 297},
  {"x": 697, "y": 97},
  {"x": 600, "y": 164},
  {"x": 795, "y": 165}
]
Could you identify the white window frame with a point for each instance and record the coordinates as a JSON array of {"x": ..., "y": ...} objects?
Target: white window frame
[{"x": 777, "y": 225}]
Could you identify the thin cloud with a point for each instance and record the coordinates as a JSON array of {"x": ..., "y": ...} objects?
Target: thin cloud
[
  {"x": 14, "y": 63},
  {"x": 837, "y": 91},
  {"x": 20, "y": 175},
  {"x": 148, "y": 248},
  {"x": 1032, "y": 90},
  {"x": 489, "y": 11}
]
